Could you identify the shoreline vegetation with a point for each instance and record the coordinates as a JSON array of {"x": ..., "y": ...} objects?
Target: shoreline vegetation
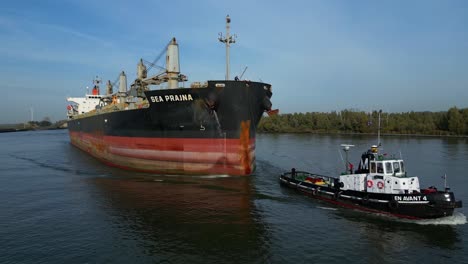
[
  {"x": 33, "y": 125},
  {"x": 451, "y": 123}
]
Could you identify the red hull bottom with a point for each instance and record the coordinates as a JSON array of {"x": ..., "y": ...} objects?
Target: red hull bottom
[{"x": 171, "y": 155}]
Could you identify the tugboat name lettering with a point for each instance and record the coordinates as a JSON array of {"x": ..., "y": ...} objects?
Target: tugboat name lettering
[
  {"x": 171, "y": 98},
  {"x": 410, "y": 198}
]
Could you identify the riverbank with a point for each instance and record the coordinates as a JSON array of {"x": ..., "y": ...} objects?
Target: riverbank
[
  {"x": 7, "y": 128},
  {"x": 453, "y": 122},
  {"x": 364, "y": 134}
]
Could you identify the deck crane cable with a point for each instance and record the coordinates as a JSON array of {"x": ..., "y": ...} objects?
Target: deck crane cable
[
  {"x": 116, "y": 81},
  {"x": 153, "y": 64},
  {"x": 150, "y": 64}
]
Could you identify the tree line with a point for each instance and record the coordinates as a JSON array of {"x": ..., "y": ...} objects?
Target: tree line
[
  {"x": 451, "y": 122},
  {"x": 46, "y": 123}
]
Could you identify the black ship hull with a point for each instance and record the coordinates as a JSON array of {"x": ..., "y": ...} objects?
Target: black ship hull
[
  {"x": 207, "y": 130},
  {"x": 423, "y": 205}
]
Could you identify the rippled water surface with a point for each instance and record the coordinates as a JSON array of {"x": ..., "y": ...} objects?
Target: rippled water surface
[{"x": 60, "y": 206}]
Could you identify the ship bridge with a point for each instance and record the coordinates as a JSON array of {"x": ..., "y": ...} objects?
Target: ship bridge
[{"x": 390, "y": 167}]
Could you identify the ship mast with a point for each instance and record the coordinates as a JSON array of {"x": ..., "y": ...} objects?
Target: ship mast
[{"x": 227, "y": 40}]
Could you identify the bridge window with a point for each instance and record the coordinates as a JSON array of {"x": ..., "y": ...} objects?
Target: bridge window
[
  {"x": 402, "y": 165},
  {"x": 372, "y": 167},
  {"x": 388, "y": 168},
  {"x": 396, "y": 167},
  {"x": 380, "y": 167}
]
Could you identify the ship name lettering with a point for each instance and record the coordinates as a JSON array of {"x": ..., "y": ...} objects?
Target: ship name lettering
[
  {"x": 157, "y": 99},
  {"x": 178, "y": 97},
  {"x": 410, "y": 198},
  {"x": 171, "y": 98}
]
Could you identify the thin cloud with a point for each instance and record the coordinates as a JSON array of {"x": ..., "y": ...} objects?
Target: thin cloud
[
  {"x": 22, "y": 27},
  {"x": 72, "y": 32}
]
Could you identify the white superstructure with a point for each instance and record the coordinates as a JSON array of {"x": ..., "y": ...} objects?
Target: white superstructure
[
  {"x": 81, "y": 105},
  {"x": 378, "y": 174}
]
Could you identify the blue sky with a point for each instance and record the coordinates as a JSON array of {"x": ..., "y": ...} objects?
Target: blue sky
[{"x": 319, "y": 55}]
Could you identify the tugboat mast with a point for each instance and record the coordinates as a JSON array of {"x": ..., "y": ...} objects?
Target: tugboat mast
[
  {"x": 378, "y": 131},
  {"x": 227, "y": 40}
]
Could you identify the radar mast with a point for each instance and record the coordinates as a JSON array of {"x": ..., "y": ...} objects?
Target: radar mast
[{"x": 227, "y": 40}]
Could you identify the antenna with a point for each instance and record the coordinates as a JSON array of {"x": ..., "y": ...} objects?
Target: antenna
[
  {"x": 446, "y": 188},
  {"x": 97, "y": 80},
  {"x": 346, "y": 148},
  {"x": 31, "y": 109},
  {"x": 445, "y": 181},
  {"x": 228, "y": 40},
  {"x": 240, "y": 77},
  {"x": 378, "y": 131}
]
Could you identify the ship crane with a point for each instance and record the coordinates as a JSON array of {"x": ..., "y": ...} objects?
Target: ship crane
[
  {"x": 116, "y": 82},
  {"x": 153, "y": 65},
  {"x": 170, "y": 74}
]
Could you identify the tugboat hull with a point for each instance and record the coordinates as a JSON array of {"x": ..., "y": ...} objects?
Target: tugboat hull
[{"x": 422, "y": 205}]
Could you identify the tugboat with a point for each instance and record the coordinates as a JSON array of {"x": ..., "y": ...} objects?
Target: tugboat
[{"x": 379, "y": 185}]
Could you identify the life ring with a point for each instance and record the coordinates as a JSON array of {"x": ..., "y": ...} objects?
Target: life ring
[
  {"x": 370, "y": 184},
  {"x": 380, "y": 185}
]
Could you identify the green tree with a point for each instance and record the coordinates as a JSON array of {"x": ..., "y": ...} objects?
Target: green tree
[
  {"x": 456, "y": 123},
  {"x": 453, "y": 121},
  {"x": 465, "y": 119}
]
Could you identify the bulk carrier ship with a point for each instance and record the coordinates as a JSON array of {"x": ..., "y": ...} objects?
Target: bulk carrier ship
[{"x": 206, "y": 129}]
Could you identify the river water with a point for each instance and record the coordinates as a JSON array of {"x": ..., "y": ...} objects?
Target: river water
[{"x": 59, "y": 205}]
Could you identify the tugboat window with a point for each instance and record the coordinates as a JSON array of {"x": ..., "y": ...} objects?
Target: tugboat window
[
  {"x": 396, "y": 167},
  {"x": 372, "y": 167},
  {"x": 388, "y": 168},
  {"x": 402, "y": 166},
  {"x": 379, "y": 167}
]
